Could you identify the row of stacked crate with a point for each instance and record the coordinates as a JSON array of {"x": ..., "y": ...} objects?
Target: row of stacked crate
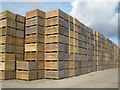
[
  {"x": 56, "y": 45},
  {"x": 34, "y": 47},
  {"x": 11, "y": 43}
]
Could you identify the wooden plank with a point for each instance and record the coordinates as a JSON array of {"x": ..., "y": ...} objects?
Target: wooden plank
[
  {"x": 34, "y": 38},
  {"x": 34, "y": 30},
  {"x": 26, "y": 75},
  {"x": 7, "y": 57},
  {"x": 7, "y": 75},
  {"x": 34, "y": 47},
  {"x": 34, "y": 56},
  {"x": 7, "y": 65},
  {"x": 26, "y": 65},
  {"x": 7, "y": 14},
  {"x": 35, "y": 13},
  {"x": 35, "y": 21}
]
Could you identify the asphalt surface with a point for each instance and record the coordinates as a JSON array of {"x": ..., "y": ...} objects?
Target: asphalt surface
[{"x": 100, "y": 79}]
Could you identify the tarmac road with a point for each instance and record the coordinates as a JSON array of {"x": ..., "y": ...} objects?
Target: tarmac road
[{"x": 100, "y": 79}]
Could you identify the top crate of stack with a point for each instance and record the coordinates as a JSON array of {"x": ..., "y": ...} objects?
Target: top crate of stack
[
  {"x": 7, "y": 14},
  {"x": 35, "y": 13}
]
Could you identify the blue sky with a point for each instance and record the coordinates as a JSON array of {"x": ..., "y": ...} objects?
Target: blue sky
[
  {"x": 74, "y": 9},
  {"x": 23, "y": 7}
]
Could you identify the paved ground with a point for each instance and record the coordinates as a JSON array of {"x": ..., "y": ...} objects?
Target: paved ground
[{"x": 99, "y": 79}]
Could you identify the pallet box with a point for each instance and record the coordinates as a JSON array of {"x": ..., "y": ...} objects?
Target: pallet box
[
  {"x": 26, "y": 75},
  {"x": 26, "y": 65},
  {"x": 7, "y": 14},
  {"x": 7, "y": 75}
]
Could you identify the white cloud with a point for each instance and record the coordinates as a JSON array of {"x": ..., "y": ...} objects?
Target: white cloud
[{"x": 98, "y": 14}]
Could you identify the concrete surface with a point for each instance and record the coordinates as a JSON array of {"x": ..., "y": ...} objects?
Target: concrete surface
[{"x": 100, "y": 79}]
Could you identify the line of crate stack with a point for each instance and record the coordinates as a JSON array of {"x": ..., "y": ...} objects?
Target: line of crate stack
[
  {"x": 32, "y": 67},
  {"x": 11, "y": 43},
  {"x": 56, "y": 45}
]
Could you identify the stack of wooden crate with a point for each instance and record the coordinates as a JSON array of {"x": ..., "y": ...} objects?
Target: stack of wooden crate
[
  {"x": 11, "y": 43},
  {"x": 34, "y": 47},
  {"x": 56, "y": 45}
]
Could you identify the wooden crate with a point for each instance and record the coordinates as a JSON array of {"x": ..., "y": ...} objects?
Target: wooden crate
[
  {"x": 7, "y": 14},
  {"x": 66, "y": 73},
  {"x": 7, "y": 40},
  {"x": 26, "y": 75},
  {"x": 71, "y": 56},
  {"x": 34, "y": 38},
  {"x": 56, "y": 29},
  {"x": 56, "y": 12},
  {"x": 20, "y": 26},
  {"x": 7, "y": 75},
  {"x": 26, "y": 65},
  {"x": 8, "y": 22},
  {"x": 19, "y": 49},
  {"x": 71, "y": 64},
  {"x": 19, "y": 57},
  {"x": 7, "y": 48},
  {"x": 54, "y": 47},
  {"x": 40, "y": 65},
  {"x": 71, "y": 49},
  {"x": 7, "y": 57},
  {"x": 71, "y": 34},
  {"x": 66, "y": 56},
  {"x": 56, "y": 21},
  {"x": 34, "y": 30},
  {"x": 19, "y": 41},
  {"x": 71, "y": 72},
  {"x": 78, "y": 71},
  {"x": 20, "y": 33},
  {"x": 54, "y": 74},
  {"x": 34, "y": 47},
  {"x": 20, "y": 18},
  {"x": 34, "y": 13},
  {"x": 40, "y": 74},
  {"x": 7, "y": 31},
  {"x": 66, "y": 64},
  {"x": 54, "y": 56},
  {"x": 57, "y": 65},
  {"x": 34, "y": 56},
  {"x": 35, "y": 21},
  {"x": 71, "y": 41},
  {"x": 55, "y": 38},
  {"x": 7, "y": 65}
]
